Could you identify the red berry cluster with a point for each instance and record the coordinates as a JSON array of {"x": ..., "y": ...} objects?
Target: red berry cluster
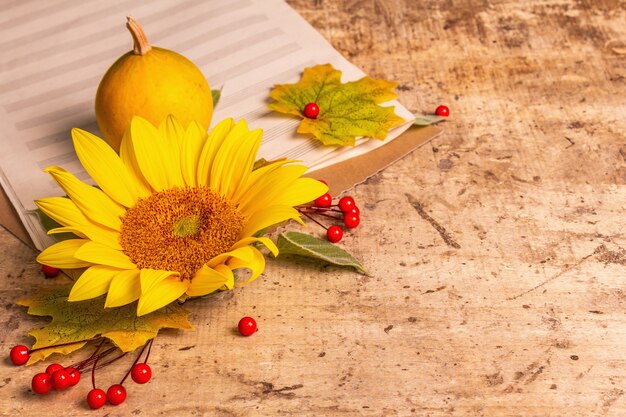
[
  {"x": 345, "y": 210},
  {"x": 58, "y": 377}
]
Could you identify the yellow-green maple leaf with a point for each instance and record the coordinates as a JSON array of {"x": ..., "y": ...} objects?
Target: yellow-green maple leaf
[
  {"x": 347, "y": 110},
  {"x": 81, "y": 320}
]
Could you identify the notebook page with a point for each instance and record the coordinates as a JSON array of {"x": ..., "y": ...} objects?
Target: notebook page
[{"x": 55, "y": 53}]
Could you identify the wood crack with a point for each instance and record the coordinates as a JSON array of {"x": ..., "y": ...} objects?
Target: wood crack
[{"x": 419, "y": 207}]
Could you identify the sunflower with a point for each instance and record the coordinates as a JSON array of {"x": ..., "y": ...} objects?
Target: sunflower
[{"x": 174, "y": 213}]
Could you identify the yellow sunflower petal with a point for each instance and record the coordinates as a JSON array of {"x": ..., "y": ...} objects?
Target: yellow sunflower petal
[
  {"x": 61, "y": 255},
  {"x": 127, "y": 155},
  {"x": 264, "y": 240},
  {"x": 161, "y": 294},
  {"x": 207, "y": 280},
  {"x": 62, "y": 210},
  {"x": 257, "y": 178},
  {"x": 172, "y": 130},
  {"x": 230, "y": 283},
  {"x": 301, "y": 191},
  {"x": 151, "y": 277},
  {"x": 256, "y": 266},
  {"x": 272, "y": 185},
  {"x": 92, "y": 283},
  {"x": 157, "y": 157},
  {"x": 193, "y": 141},
  {"x": 92, "y": 202},
  {"x": 243, "y": 253},
  {"x": 124, "y": 289},
  {"x": 210, "y": 148},
  {"x": 105, "y": 167},
  {"x": 234, "y": 159},
  {"x": 98, "y": 253},
  {"x": 269, "y": 216},
  {"x": 95, "y": 233}
]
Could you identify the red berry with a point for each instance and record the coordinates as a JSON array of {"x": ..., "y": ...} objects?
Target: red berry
[
  {"x": 311, "y": 110},
  {"x": 50, "y": 271},
  {"x": 41, "y": 383},
  {"x": 323, "y": 182},
  {"x": 96, "y": 398},
  {"x": 74, "y": 376},
  {"x": 334, "y": 234},
  {"x": 141, "y": 373},
  {"x": 346, "y": 203},
  {"x": 351, "y": 221},
  {"x": 442, "y": 111},
  {"x": 60, "y": 380},
  {"x": 53, "y": 367},
  {"x": 324, "y": 201},
  {"x": 247, "y": 326},
  {"x": 19, "y": 355},
  {"x": 354, "y": 210},
  {"x": 116, "y": 394}
]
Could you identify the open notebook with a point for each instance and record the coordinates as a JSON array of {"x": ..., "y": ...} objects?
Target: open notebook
[{"x": 55, "y": 53}]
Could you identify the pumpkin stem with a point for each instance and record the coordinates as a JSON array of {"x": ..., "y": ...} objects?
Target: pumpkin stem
[{"x": 140, "y": 40}]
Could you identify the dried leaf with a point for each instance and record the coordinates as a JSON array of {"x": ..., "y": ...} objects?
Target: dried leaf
[
  {"x": 301, "y": 244},
  {"x": 48, "y": 224},
  {"x": 216, "y": 94},
  {"x": 78, "y": 321},
  {"x": 427, "y": 119},
  {"x": 347, "y": 110}
]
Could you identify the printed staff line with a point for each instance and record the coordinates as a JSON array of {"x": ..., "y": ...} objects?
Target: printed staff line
[
  {"x": 261, "y": 86},
  {"x": 284, "y": 127},
  {"x": 15, "y": 4},
  {"x": 86, "y": 107},
  {"x": 54, "y": 138},
  {"x": 108, "y": 32},
  {"x": 57, "y": 160},
  {"x": 254, "y": 63},
  {"x": 80, "y": 85},
  {"x": 301, "y": 149},
  {"x": 33, "y": 15},
  {"x": 254, "y": 114},
  {"x": 77, "y": 110},
  {"x": 92, "y": 82},
  {"x": 239, "y": 46},
  {"x": 95, "y": 58},
  {"x": 29, "y": 38}
]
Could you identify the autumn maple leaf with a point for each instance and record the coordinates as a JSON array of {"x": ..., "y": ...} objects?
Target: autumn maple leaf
[
  {"x": 346, "y": 110},
  {"x": 73, "y": 323}
]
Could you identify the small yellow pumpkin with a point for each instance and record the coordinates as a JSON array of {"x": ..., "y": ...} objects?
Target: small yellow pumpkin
[{"x": 152, "y": 83}]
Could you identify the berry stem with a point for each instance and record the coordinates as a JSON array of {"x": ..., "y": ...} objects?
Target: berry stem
[
  {"x": 311, "y": 217},
  {"x": 112, "y": 360},
  {"x": 134, "y": 363},
  {"x": 149, "y": 350},
  {"x": 87, "y": 362},
  {"x": 93, "y": 369}
]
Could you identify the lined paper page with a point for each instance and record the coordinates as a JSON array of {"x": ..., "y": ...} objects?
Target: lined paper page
[{"x": 54, "y": 54}]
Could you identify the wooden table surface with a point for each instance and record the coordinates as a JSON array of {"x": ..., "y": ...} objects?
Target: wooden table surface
[{"x": 497, "y": 251}]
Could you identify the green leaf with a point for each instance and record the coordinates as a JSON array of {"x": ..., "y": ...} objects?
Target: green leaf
[
  {"x": 49, "y": 224},
  {"x": 216, "y": 94},
  {"x": 427, "y": 119},
  {"x": 346, "y": 110},
  {"x": 75, "y": 322},
  {"x": 301, "y": 244}
]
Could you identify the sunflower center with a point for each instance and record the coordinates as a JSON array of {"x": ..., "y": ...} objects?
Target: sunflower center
[
  {"x": 179, "y": 229},
  {"x": 186, "y": 226}
]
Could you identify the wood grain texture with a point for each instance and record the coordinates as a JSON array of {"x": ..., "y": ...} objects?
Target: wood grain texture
[{"x": 497, "y": 253}]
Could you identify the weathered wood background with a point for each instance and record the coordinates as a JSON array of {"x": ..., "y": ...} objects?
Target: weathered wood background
[{"x": 497, "y": 251}]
